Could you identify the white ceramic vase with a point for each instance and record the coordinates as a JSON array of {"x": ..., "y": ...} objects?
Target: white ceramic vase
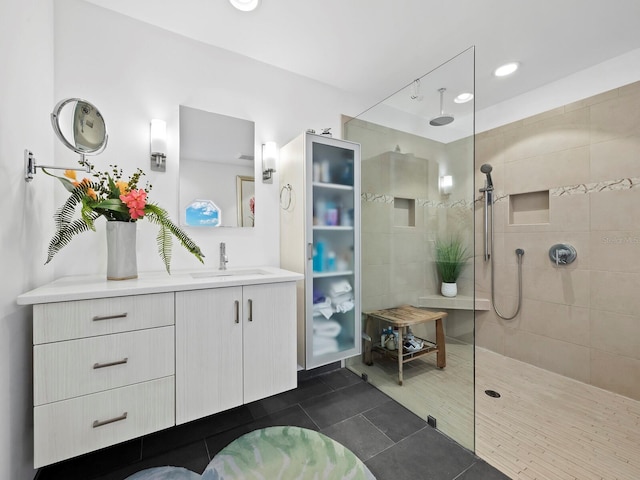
[
  {"x": 121, "y": 251},
  {"x": 449, "y": 289}
]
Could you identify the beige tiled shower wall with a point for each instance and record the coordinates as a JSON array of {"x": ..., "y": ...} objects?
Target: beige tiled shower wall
[
  {"x": 581, "y": 320},
  {"x": 398, "y": 260}
]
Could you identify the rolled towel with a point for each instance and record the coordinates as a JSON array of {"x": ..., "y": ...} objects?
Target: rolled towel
[{"x": 326, "y": 328}]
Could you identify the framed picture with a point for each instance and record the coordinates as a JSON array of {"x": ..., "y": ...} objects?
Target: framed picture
[{"x": 246, "y": 201}]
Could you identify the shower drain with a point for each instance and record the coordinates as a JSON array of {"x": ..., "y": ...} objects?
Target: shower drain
[{"x": 492, "y": 393}]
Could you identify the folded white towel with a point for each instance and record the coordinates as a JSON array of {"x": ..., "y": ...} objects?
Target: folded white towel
[
  {"x": 339, "y": 286},
  {"x": 323, "y": 308},
  {"x": 341, "y": 298},
  {"x": 324, "y": 345},
  {"x": 344, "y": 306},
  {"x": 326, "y": 328}
]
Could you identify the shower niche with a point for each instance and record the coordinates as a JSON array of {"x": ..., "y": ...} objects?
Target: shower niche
[{"x": 531, "y": 208}]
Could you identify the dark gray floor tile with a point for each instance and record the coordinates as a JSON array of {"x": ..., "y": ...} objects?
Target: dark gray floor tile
[
  {"x": 340, "y": 378},
  {"x": 339, "y": 405},
  {"x": 165, "y": 440},
  {"x": 425, "y": 455},
  {"x": 359, "y": 436},
  {"x": 481, "y": 470},
  {"x": 394, "y": 420},
  {"x": 192, "y": 457},
  {"x": 95, "y": 463},
  {"x": 306, "y": 389},
  {"x": 291, "y": 416}
]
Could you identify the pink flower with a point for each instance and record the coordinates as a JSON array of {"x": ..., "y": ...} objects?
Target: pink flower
[
  {"x": 252, "y": 205},
  {"x": 135, "y": 201}
]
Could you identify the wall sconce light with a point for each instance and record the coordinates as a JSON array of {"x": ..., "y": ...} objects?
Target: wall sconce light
[
  {"x": 269, "y": 158},
  {"x": 158, "y": 145},
  {"x": 446, "y": 184}
]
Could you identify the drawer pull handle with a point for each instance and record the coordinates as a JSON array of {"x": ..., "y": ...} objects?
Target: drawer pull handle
[
  {"x": 109, "y": 317},
  {"x": 97, "y": 423},
  {"x": 110, "y": 364},
  {"x": 237, "y": 311},
  {"x": 250, "y": 310}
]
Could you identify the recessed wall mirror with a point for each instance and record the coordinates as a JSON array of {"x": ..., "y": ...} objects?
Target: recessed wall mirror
[
  {"x": 216, "y": 170},
  {"x": 80, "y": 126}
]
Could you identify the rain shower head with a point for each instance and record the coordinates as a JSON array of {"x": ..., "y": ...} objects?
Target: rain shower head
[
  {"x": 486, "y": 169},
  {"x": 443, "y": 118}
]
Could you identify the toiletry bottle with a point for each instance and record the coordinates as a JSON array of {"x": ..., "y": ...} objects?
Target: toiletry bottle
[
  {"x": 316, "y": 172},
  {"x": 326, "y": 171},
  {"x": 318, "y": 263},
  {"x": 331, "y": 261}
]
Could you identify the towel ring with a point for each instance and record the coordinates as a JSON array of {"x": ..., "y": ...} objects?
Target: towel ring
[{"x": 288, "y": 188}]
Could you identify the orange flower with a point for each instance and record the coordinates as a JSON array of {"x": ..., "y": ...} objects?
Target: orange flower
[
  {"x": 122, "y": 186},
  {"x": 70, "y": 174},
  {"x": 92, "y": 193}
]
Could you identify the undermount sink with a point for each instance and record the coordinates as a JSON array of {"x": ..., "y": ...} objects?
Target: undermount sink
[{"x": 229, "y": 273}]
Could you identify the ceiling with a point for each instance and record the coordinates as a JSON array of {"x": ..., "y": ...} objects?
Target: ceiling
[{"x": 374, "y": 47}]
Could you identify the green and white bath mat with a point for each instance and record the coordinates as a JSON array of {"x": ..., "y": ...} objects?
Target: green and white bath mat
[
  {"x": 274, "y": 453},
  {"x": 285, "y": 453}
]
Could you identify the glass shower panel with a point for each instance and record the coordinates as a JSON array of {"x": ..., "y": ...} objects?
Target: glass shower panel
[{"x": 417, "y": 189}]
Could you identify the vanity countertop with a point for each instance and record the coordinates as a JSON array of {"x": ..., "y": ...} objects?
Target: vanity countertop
[{"x": 84, "y": 287}]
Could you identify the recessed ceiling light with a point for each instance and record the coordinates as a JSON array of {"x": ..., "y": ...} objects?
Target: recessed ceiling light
[
  {"x": 463, "y": 97},
  {"x": 506, "y": 69},
  {"x": 245, "y": 5}
]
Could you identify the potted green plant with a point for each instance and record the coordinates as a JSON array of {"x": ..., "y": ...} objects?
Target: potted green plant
[{"x": 451, "y": 258}]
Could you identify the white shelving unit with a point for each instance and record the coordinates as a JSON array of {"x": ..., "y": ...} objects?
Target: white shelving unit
[{"x": 320, "y": 237}]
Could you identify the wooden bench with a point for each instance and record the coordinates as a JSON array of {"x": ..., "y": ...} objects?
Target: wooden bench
[{"x": 404, "y": 317}]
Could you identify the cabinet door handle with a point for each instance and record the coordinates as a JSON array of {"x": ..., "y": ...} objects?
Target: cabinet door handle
[
  {"x": 109, "y": 317},
  {"x": 250, "y": 310},
  {"x": 98, "y": 423},
  {"x": 110, "y": 364},
  {"x": 309, "y": 251},
  {"x": 237, "y": 311}
]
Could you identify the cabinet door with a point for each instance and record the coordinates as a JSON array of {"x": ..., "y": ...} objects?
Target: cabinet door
[
  {"x": 208, "y": 352},
  {"x": 332, "y": 290},
  {"x": 269, "y": 327}
]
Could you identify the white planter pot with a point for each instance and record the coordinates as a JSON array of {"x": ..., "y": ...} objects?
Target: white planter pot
[
  {"x": 121, "y": 251},
  {"x": 449, "y": 289}
]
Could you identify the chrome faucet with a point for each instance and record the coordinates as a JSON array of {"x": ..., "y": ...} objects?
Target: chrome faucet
[{"x": 223, "y": 256}]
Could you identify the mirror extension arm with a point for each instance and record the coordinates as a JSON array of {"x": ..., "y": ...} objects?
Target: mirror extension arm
[{"x": 30, "y": 166}]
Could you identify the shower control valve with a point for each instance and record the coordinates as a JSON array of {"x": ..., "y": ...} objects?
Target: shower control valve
[{"x": 562, "y": 254}]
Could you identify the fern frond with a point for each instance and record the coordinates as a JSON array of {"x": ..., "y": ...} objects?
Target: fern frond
[
  {"x": 165, "y": 243},
  {"x": 65, "y": 234},
  {"x": 64, "y": 215},
  {"x": 159, "y": 216}
]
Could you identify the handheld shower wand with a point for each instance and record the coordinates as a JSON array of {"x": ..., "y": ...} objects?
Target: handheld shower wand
[
  {"x": 488, "y": 203},
  {"x": 488, "y": 242}
]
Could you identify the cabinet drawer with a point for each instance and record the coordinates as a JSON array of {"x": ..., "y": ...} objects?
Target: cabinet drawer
[
  {"x": 73, "y": 427},
  {"x": 68, "y": 369},
  {"x": 53, "y": 322}
]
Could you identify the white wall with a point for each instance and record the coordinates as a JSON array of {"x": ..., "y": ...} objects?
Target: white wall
[
  {"x": 26, "y": 93},
  {"x": 134, "y": 72}
]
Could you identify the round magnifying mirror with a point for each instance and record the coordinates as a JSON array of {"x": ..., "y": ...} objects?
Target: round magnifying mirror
[{"x": 80, "y": 126}]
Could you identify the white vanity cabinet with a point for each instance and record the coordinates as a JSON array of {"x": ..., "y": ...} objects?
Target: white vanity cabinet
[
  {"x": 102, "y": 373},
  {"x": 113, "y": 361},
  {"x": 234, "y": 345}
]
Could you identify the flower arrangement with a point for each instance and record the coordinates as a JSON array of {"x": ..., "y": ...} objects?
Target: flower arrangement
[
  {"x": 451, "y": 258},
  {"x": 118, "y": 200}
]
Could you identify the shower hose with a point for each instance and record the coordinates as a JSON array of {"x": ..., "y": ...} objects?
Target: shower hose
[{"x": 519, "y": 253}]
